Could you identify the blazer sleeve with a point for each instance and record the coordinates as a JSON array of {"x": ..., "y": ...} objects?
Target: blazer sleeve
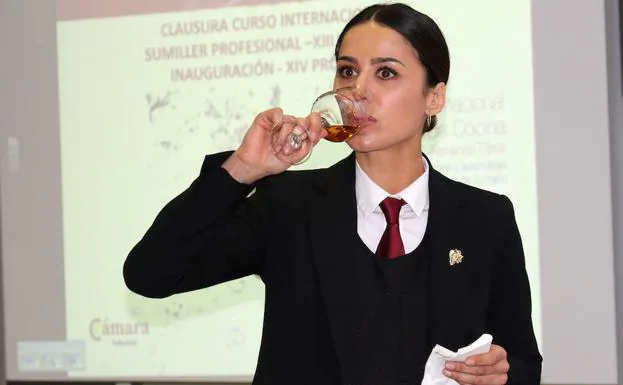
[
  {"x": 211, "y": 233},
  {"x": 510, "y": 312}
]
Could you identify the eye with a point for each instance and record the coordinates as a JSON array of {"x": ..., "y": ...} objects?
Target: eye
[
  {"x": 346, "y": 72},
  {"x": 386, "y": 73}
]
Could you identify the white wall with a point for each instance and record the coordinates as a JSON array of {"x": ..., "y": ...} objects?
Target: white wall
[{"x": 614, "y": 16}]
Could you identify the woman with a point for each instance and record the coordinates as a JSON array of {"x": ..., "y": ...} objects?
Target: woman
[{"x": 356, "y": 294}]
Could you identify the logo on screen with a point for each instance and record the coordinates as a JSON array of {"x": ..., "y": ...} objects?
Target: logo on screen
[{"x": 121, "y": 333}]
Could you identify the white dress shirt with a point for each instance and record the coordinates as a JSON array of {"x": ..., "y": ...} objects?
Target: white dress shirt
[{"x": 413, "y": 215}]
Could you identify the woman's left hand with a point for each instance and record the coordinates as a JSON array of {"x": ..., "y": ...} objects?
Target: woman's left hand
[{"x": 489, "y": 368}]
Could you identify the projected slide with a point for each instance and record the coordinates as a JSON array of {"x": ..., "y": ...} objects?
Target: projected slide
[{"x": 146, "y": 90}]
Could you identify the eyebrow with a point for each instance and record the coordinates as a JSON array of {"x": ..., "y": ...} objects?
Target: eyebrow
[{"x": 376, "y": 60}]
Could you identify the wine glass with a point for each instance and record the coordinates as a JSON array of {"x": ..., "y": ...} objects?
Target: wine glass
[{"x": 341, "y": 114}]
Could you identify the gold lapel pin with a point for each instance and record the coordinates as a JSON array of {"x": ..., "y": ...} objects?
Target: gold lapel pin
[{"x": 455, "y": 257}]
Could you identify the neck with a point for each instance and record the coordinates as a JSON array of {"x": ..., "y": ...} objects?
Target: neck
[{"x": 392, "y": 171}]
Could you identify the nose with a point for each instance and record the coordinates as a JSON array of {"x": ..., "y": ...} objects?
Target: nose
[{"x": 362, "y": 89}]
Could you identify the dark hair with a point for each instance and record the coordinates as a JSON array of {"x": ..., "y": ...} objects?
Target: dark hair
[{"x": 419, "y": 30}]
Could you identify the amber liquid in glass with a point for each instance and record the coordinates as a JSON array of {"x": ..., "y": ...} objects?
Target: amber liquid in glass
[{"x": 340, "y": 133}]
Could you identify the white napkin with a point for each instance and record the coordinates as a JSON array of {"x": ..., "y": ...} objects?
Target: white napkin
[{"x": 433, "y": 371}]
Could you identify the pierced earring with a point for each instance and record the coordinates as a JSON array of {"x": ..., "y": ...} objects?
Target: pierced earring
[{"x": 429, "y": 120}]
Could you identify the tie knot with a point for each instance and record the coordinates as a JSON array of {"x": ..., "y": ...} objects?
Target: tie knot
[{"x": 391, "y": 209}]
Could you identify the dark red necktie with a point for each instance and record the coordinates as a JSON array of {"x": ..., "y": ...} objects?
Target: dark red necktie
[{"x": 391, "y": 243}]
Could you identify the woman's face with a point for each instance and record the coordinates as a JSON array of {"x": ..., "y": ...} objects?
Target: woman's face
[{"x": 392, "y": 82}]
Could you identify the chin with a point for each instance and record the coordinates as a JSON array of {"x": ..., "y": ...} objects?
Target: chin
[
  {"x": 374, "y": 141},
  {"x": 363, "y": 143}
]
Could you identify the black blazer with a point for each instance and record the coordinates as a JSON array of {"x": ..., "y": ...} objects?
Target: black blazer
[{"x": 295, "y": 231}]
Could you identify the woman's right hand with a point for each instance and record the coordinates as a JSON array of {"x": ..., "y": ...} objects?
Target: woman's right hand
[{"x": 255, "y": 158}]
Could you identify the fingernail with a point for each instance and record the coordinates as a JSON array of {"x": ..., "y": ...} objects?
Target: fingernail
[
  {"x": 469, "y": 362},
  {"x": 450, "y": 366},
  {"x": 446, "y": 373}
]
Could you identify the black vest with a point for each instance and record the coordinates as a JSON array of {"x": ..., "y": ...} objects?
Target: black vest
[{"x": 391, "y": 326}]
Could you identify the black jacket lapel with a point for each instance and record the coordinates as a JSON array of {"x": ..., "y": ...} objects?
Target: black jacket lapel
[
  {"x": 445, "y": 280},
  {"x": 333, "y": 235}
]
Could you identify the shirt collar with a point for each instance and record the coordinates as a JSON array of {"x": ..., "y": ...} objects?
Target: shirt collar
[{"x": 369, "y": 195}]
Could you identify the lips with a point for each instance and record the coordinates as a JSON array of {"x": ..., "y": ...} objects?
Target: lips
[
  {"x": 367, "y": 120},
  {"x": 361, "y": 120}
]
